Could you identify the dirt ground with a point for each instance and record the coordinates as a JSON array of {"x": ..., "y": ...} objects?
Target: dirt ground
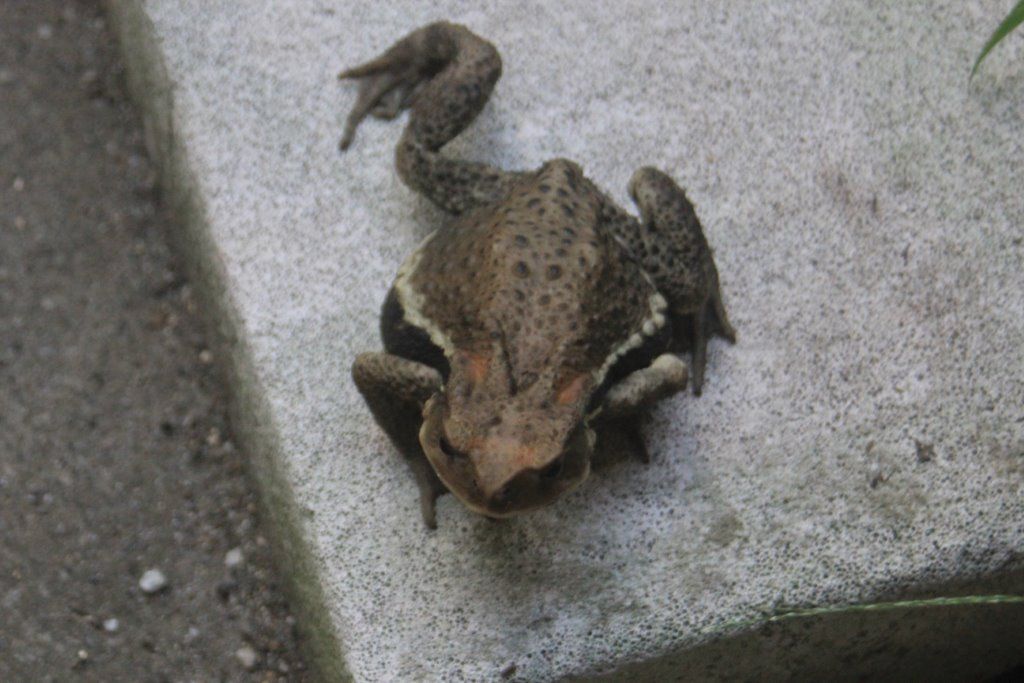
[{"x": 115, "y": 455}]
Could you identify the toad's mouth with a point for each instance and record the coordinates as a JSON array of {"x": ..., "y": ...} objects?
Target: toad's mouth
[{"x": 524, "y": 490}]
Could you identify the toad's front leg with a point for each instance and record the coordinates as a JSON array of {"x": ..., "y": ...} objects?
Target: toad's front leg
[
  {"x": 642, "y": 388},
  {"x": 396, "y": 388},
  {"x": 626, "y": 400}
]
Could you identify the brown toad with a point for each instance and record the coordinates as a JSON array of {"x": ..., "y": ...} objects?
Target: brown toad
[{"x": 540, "y": 313}]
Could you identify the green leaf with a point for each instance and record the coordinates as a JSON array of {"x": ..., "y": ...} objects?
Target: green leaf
[{"x": 1012, "y": 20}]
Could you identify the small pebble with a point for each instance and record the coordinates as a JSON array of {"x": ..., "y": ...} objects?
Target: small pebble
[
  {"x": 213, "y": 437},
  {"x": 206, "y": 356},
  {"x": 925, "y": 451},
  {"x": 45, "y": 31},
  {"x": 233, "y": 558},
  {"x": 20, "y": 222},
  {"x": 225, "y": 588},
  {"x": 191, "y": 634},
  {"x": 111, "y": 625},
  {"x": 153, "y": 581},
  {"x": 90, "y": 81},
  {"x": 18, "y": 185},
  {"x": 244, "y": 526},
  {"x": 247, "y": 656},
  {"x": 875, "y": 475}
]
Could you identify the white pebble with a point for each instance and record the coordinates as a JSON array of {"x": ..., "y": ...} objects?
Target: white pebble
[
  {"x": 233, "y": 558},
  {"x": 111, "y": 625},
  {"x": 247, "y": 656},
  {"x": 153, "y": 581}
]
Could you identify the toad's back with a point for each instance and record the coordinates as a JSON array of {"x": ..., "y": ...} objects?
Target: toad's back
[{"x": 536, "y": 271}]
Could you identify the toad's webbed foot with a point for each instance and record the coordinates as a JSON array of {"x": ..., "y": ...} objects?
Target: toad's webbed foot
[
  {"x": 388, "y": 82},
  {"x": 445, "y": 73}
]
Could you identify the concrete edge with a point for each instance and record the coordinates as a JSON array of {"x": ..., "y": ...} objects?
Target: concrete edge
[
  {"x": 883, "y": 639},
  {"x": 153, "y": 93}
]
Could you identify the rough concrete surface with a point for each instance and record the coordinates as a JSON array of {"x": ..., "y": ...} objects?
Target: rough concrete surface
[
  {"x": 864, "y": 440},
  {"x": 116, "y": 460}
]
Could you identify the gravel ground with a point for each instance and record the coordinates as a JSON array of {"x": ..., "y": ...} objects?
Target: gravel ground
[{"x": 115, "y": 455}]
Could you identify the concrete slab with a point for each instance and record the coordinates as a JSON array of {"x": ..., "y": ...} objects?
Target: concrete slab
[{"x": 864, "y": 440}]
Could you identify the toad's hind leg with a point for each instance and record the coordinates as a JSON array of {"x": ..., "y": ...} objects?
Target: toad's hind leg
[
  {"x": 445, "y": 73},
  {"x": 670, "y": 244}
]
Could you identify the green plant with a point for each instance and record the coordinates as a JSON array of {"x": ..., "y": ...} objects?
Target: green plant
[
  {"x": 959, "y": 601},
  {"x": 1012, "y": 20}
]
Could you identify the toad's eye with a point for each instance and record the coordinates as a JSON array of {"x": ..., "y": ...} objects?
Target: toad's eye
[
  {"x": 451, "y": 451},
  {"x": 553, "y": 469}
]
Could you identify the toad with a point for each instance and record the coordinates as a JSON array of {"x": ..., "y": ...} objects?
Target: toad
[{"x": 538, "y": 314}]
